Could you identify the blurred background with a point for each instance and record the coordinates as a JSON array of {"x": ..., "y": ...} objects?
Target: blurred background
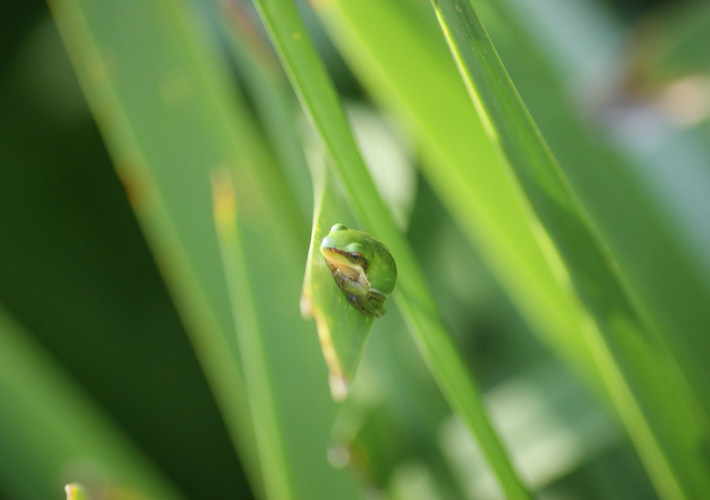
[
  {"x": 78, "y": 281},
  {"x": 79, "y": 278}
]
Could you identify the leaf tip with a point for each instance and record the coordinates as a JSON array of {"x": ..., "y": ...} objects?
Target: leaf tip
[{"x": 339, "y": 386}]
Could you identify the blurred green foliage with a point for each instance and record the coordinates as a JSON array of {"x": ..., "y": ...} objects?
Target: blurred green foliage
[{"x": 78, "y": 275}]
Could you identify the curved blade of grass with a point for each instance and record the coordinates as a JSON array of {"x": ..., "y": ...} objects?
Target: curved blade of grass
[
  {"x": 52, "y": 432},
  {"x": 318, "y": 97},
  {"x": 267, "y": 433},
  {"x": 342, "y": 330},
  {"x": 657, "y": 419}
]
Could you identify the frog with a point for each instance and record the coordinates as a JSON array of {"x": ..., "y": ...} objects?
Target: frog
[{"x": 363, "y": 268}]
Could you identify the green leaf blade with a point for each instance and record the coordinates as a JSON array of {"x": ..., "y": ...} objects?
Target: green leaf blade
[
  {"x": 249, "y": 333},
  {"x": 627, "y": 353},
  {"x": 342, "y": 330}
]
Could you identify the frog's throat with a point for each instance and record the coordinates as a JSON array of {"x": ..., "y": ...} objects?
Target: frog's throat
[{"x": 351, "y": 272}]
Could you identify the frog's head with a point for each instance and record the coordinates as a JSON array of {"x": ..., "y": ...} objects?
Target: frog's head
[
  {"x": 347, "y": 250},
  {"x": 360, "y": 258}
]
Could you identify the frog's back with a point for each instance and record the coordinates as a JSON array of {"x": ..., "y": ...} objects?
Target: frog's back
[{"x": 386, "y": 261}]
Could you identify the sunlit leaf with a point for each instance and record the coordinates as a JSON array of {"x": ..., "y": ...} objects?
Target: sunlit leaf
[{"x": 619, "y": 337}]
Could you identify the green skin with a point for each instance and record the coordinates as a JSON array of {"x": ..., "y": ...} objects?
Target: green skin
[{"x": 363, "y": 268}]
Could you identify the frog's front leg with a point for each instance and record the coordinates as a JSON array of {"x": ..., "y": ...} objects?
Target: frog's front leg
[
  {"x": 350, "y": 286},
  {"x": 360, "y": 295}
]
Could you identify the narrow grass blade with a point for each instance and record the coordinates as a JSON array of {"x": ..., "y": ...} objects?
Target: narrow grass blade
[
  {"x": 343, "y": 331},
  {"x": 318, "y": 97},
  {"x": 273, "y": 99},
  {"x": 50, "y": 427},
  {"x": 657, "y": 419},
  {"x": 261, "y": 400}
]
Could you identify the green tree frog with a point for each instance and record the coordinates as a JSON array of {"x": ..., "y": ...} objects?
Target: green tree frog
[{"x": 362, "y": 267}]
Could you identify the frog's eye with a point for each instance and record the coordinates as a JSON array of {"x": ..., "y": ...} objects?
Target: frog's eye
[{"x": 355, "y": 257}]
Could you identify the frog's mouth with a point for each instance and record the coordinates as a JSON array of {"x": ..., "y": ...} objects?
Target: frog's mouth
[{"x": 337, "y": 261}]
